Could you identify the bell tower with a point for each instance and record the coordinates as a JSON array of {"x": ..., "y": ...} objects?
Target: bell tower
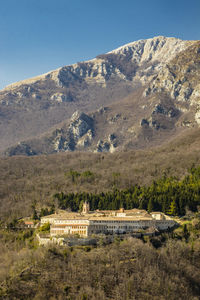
[{"x": 86, "y": 208}]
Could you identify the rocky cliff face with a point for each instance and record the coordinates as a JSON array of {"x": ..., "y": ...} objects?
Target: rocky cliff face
[
  {"x": 109, "y": 129},
  {"x": 160, "y": 77},
  {"x": 137, "y": 61},
  {"x": 78, "y": 133},
  {"x": 179, "y": 79}
]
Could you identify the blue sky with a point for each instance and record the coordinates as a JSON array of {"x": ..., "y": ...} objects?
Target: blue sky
[{"x": 37, "y": 36}]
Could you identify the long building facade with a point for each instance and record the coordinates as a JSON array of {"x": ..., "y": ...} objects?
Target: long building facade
[{"x": 88, "y": 223}]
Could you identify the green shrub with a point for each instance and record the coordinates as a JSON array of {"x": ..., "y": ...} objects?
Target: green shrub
[{"x": 45, "y": 227}]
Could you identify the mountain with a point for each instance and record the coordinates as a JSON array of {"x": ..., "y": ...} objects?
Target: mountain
[{"x": 136, "y": 96}]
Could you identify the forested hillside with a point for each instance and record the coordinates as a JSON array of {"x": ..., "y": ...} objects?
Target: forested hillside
[
  {"x": 161, "y": 267},
  {"x": 168, "y": 194},
  {"x": 33, "y": 181}
]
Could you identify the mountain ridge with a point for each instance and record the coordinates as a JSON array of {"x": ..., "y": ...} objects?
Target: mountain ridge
[
  {"x": 128, "y": 72},
  {"x": 120, "y": 50}
]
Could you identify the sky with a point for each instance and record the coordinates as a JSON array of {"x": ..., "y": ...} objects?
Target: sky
[{"x": 37, "y": 36}]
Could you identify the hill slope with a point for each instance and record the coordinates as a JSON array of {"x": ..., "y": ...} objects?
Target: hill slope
[
  {"x": 32, "y": 107},
  {"x": 28, "y": 180}
]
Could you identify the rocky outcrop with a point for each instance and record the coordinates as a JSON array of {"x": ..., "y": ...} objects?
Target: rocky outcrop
[
  {"x": 60, "y": 97},
  {"x": 180, "y": 78},
  {"x": 108, "y": 145},
  {"x": 85, "y": 141},
  {"x": 161, "y": 73},
  {"x": 78, "y": 133},
  {"x": 80, "y": 124},
  {"x": 102, "y": 146},
  {"x": 138, "y": 60}
]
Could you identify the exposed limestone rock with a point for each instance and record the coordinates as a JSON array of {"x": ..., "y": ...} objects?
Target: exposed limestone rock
[
  {"x": 102, "y": 146},
  {"x": 102, "y": 110},
  {"x": 180, "y": 77},
  {"x": 171, "y": 79},
  {"x": 168, "y": 111},
  {"x": 197, "y": 117},
  {"x": 80, "y": 124},
  {"x": 108, "y": 145},
  {"x": 78, "y": 133},
  {"x": 187, "y": 124},
  {"x": 59, "y": 97},
  {"x": 63, "y": 141},
  {"x": 112, "y": 148},
  {"x": 85, "y": 140},
  {"x": 156, "y": 48},
  {"x": 152, "y": 54},
  {"x": 36, "y": 96},
  {"x": 147, "y": 56},
  {"x": 195, "y": 96},
  {"x": 112, "y": 137},
  {"x": 19, "y": 94}
]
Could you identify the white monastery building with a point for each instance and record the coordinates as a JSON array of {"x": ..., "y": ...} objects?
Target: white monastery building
[{"x": 89, "y": 222}]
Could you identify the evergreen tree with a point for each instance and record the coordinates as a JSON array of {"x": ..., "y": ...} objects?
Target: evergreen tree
[
  {"x": 35, "y": 216},
  {"x": 173, "y": 210},
  {"x": 150, "y": 206}
]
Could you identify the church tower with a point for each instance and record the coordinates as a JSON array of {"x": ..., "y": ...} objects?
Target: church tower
[{"x": 86, "y": 208}]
